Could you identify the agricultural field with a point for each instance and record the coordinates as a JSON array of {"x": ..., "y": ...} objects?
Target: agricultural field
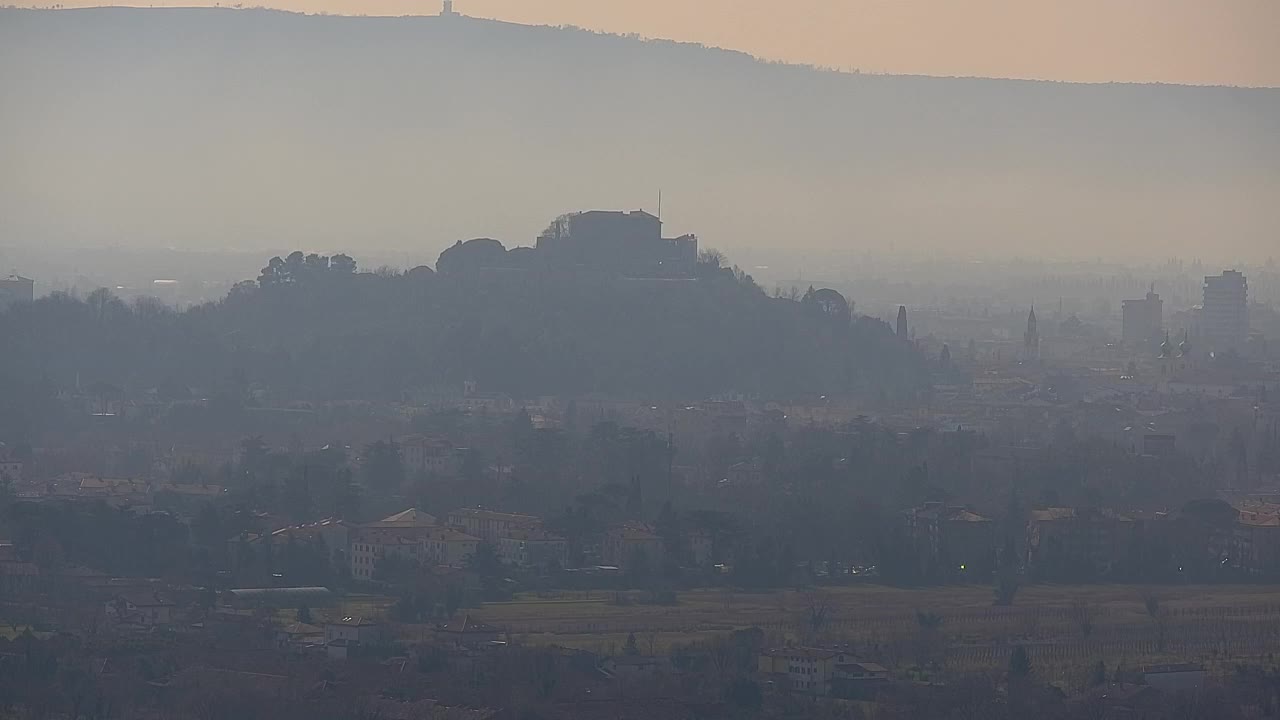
[{"x": 955, "y": 627}]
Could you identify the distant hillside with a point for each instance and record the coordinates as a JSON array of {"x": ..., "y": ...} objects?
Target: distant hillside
[
  {"x": 323, "y": 333},
  {"x": 251, "y": 129}
]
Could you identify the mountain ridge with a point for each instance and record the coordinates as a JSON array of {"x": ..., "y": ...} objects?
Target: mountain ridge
[{"x": 246, "y": 125}]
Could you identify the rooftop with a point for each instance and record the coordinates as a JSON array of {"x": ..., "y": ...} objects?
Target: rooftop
[
  {"x": 353, "y": 621},
  {"x": 467, "y": 626},
  {"x": 805, "y": 653},
  {"x": 412, "y": 516},
  {"x": 1172, "y": 668},
  {"x": 483, "y": 514},
  {"x": 1066, "y": 513}
]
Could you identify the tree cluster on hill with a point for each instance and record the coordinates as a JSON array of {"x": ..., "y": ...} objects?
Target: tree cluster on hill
[{"x": 313, "y": 329}]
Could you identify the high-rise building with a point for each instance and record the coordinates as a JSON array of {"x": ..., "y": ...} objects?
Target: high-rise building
[
  {"x": 15, "y": 289},
  {"x": 1224, "y": 318},
  {"x": 1142, "y": 320}
]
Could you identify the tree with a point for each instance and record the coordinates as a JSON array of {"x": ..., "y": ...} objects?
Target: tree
[
  {"x": 1082, "y": 614},
  {"x": 929, "y": 638},
  {"x": 304, "y": 614},
  {"x": 1019, "y": 664},
  {"x": 744, "y": 693},
  {"x": 817, "y": 611},
  {"x": 383, "y": 466},
  {"x": 1151, "y": 603},
  {"x": 485, "y": 562},
  {"x": 342, "y": 264},
  {"x": 1099, "y": 675},
  {"x": 631, "y": 648}
]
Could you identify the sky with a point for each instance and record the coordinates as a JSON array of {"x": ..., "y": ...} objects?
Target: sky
[{"x": 1200, "y": 42}]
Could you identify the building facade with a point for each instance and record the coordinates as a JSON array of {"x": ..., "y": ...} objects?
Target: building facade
[
  {"x": 533, "y": 548},
  {"x": 490, "y": 525},
  {"x": 801, "y": 669},
  {"x": 628, "y": 545}
]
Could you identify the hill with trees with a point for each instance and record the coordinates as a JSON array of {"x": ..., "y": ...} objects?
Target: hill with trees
[{"x": 312, "y": 328}]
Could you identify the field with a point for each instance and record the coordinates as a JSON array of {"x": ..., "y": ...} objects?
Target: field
[{"x": 1063, "y": 627}]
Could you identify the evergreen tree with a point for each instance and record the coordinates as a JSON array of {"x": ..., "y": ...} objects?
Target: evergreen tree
[
  {"x": 1099, "y": 675},
  {"x": 1019, "y": 664}
]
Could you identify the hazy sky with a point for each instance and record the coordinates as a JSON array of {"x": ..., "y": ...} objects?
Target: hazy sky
[{"x": 1220, "y": 42}]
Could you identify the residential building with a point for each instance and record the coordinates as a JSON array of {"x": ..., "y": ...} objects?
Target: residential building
[
  {"x": 469, "y": 633},
  {"x": 141, "y": 607},
  {"x": 16, "y": 575},
  {"x": 411, "y": 518},
  {"x": 628, "y": 669},
  {"x": 533, "y": 547},
  {"x": 491, "y": 525},
  {"x": 951, "y": 541},
  {"x": 371, "y": 545},
  {"x": 802, "y": 669},
  {"x": 1142, "y": 320},
  {"x": 340, "y": 636},
  {"x": 1254, "y": 543},
  {"x": 16, "y": 289},
  {"x": 410, "y": 536},
  {"x": 355, "y": 629},
  {"x": 10, "y": 467},
  {"x": 429, "y": 456},
  {"x": 631, "y": 545},
  {"x": 1224, "y": 317},
  {"x": 295, "y": 635},
  {"x": 858, "y": 680},
  {"x": 448, "y": 547},
  {"x": 748, "y": 473},
  {"x": 1083, "y": 542}
]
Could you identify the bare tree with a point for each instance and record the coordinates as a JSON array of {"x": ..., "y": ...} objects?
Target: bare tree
[
  {"x": 929, "y": 639},
  {"x": 1082, "y": 616},
  {"x": 817, "y": 611},
  {"x": 1159, "y": 616},
  {"x": 651, "y": 640}
]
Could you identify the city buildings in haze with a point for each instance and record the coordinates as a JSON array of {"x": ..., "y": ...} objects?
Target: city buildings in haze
[{"x": 1224, "y": 318}]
